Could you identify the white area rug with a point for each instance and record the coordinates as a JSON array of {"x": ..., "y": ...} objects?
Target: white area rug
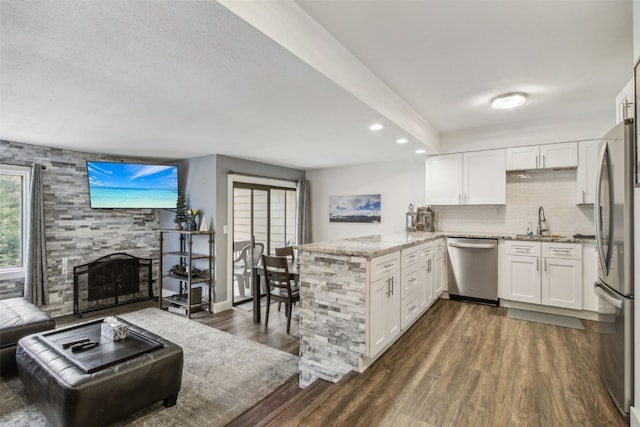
[
  {"x": 549, "y": 319},
  {"x": 223, "y": 376}
]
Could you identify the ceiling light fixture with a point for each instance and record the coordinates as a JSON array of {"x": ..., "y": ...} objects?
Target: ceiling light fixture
[
  {"x": 402, "y": 140},
  {"x": 508, "y": 100},
  {"x": 376, "y": 126},
  {"x": 420, "y": 151}
]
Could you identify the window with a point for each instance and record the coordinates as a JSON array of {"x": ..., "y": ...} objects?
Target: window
[{"x": 14, "y": 192}]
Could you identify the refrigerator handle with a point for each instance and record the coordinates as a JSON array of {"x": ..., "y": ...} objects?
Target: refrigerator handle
[
  {"x": 599, "y": 290},
  {"x": 597, "y": 216}
]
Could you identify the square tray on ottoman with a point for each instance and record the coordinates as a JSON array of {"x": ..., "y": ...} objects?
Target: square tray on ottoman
[{"x": 104, "y": 384}]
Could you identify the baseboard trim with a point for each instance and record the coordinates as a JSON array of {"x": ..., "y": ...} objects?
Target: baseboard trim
[
  {"x": 635, "y": 417},
  {"x": 580, "y": 314},
  {"x": 219, "y": 307}
]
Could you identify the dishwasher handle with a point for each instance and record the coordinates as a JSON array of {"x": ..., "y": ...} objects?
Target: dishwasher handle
[{"x": 473, "y": 245}]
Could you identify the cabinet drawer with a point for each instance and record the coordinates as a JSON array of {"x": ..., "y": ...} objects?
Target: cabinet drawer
[
  {"x": 383, "y": 266},
  {"x": 562, "y": 250},
  {"x": 520, "y": 247},
  {"x": 438, "y": 245},
  {"x": 409, "y": 309},
  {"x": 409, "y": 280},
  {"x": 409, "y": 256},
  {"x": 425, "y": 253}
]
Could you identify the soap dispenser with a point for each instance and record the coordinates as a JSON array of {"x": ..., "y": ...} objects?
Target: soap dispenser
[{"x": 529, "y": 230}]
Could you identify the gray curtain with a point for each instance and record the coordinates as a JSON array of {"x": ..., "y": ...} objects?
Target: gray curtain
[
  {"x": 304, "y": 212},
  {"x": 36, "y": 288}
]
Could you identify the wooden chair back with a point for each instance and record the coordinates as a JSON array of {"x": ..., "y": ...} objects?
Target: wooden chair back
[{"x": 286, "y": 251}]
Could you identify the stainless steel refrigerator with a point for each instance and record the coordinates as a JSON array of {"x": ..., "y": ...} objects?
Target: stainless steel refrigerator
[{"x": 613, "y": 217}]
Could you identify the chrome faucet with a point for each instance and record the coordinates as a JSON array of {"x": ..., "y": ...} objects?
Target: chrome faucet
[{"x": 543, "y": 228}]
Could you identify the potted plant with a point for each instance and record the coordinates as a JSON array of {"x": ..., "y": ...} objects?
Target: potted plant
[
  {"x": 181, "y": 206},
  {"x": 193, "y": 213}
]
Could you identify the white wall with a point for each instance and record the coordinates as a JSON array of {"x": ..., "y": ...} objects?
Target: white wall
[
  {"x": 398, "y": 183},
  {"x": 636, "y": 30}
]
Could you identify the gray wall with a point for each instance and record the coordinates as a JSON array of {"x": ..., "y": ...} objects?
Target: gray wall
[{"x": 75, "y": 233}]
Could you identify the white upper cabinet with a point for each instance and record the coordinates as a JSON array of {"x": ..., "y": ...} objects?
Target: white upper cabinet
[
  {"x": 475, "y": 178},
  {"x": 523, "y": 158},
  {"x": 484, "y": 178},
  {"x": 588, "y": 152},
  {"x": 564, "y": 155},
  {"x": 547, "y": 156},
  {"x": 624, "y": 102},
  {"x": 444, "y": 179}
]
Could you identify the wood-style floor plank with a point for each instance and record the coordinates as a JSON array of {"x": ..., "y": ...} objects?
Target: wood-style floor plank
[{"x": 469, "y": 365}]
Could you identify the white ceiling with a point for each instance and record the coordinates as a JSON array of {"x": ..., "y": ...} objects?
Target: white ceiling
[{"x": 177, "y": 79}]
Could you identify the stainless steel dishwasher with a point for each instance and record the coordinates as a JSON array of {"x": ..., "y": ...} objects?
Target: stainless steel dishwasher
[{"x": 473, "y": 269}]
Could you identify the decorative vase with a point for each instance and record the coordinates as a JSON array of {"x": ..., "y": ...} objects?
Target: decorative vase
[
  {"x": 178, "y": 226},
  {"x": 192, "y": 225}
]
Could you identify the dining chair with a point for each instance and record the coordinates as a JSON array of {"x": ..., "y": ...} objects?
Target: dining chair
[
  {"x": 241, "y": 267},
  {"x": 278, "y": 281},
  {"x": 244, "y": 261},
  {"x": 287, "y": 252}
]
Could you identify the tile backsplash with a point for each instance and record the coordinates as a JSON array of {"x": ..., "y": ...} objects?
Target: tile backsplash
[{"x": 555, "y": 190}]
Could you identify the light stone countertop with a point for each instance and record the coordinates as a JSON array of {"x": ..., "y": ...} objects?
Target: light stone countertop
[{"x": 376, "y": 245}]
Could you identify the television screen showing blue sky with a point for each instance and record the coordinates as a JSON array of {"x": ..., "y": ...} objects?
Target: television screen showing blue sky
[{"x": 132, "y": 176}]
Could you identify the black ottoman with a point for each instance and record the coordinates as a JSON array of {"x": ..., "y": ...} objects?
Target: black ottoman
[
  {"x": 18, "y": 318},
  {"x": 70, "y": 397}
]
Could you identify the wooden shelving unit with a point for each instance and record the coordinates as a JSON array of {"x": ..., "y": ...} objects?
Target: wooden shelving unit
[{"x": 182, "y": 302}]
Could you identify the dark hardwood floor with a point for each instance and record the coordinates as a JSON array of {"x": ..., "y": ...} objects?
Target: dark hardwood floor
[{"x": 459, "y": 365}]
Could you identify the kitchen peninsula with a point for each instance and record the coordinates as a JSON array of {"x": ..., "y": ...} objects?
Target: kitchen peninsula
[
  {"x": 359, "y": 295},
  {"x": 353, "y": 297}
]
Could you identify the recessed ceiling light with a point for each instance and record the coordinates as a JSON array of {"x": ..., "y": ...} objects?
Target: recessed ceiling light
[
  {"x": 508, "y": 100},
  {"x": 420, "y": 151},
  {"x": 376, "y": 126},
  {"x": 402, "y": 140}
]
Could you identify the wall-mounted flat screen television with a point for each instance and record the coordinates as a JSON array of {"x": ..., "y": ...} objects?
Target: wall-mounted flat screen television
[{"x": 132, "y": 185}]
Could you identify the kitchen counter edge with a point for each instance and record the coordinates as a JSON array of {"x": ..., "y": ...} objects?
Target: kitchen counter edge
[{"x": 377, "y": 245}]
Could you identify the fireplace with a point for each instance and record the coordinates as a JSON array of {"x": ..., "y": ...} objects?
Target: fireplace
[{"x": 109, "y": 281}]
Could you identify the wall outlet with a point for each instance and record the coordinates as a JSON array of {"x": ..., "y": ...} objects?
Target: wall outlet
[
  {"x": 224, "y": 229},
  {"x": 65, "y": 266}
]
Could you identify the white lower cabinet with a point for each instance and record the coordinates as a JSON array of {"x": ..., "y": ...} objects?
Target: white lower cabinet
[
  {"x": 589, "y": 276},
  {"x": 425, "y": 278},
  {"x": 544, "y": 273},
  {"x": 384, "y": 302},
  {"x": 439, "y": 268},
  {"x": 522, "y": 278},
  {"x": 562, "y": 283},
  {"x": 410, "y": 289}
]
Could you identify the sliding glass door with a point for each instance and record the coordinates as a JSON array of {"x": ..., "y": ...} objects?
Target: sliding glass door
[{"x": 263, "y": 219}]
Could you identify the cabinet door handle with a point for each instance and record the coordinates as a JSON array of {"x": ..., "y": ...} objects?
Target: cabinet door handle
[
  {"x": 388, "y": 293},
  {"x": 537, "y": 162},
  {"x": 545, "y": 265},
  {"x": 544, "y": 160},
  {"x": 537, "y": 264},
  {"x": 459, "y": 198},
  {"x": 584, "y": 196}
]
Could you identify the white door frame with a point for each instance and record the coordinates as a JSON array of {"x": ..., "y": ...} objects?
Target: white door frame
[{"x": 232, "y": 179}]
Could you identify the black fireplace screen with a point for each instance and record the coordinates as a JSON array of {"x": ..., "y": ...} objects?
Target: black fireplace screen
[{"x": 111, "y": 280}]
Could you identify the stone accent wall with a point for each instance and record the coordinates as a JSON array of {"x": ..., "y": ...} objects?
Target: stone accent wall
[
  {"x": 332, "y": 315},
  {"x": 75, "y": 233}
]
